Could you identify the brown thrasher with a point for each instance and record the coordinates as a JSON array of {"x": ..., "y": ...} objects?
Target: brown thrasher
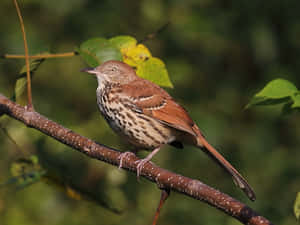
[{"x": 148, "y": 117}]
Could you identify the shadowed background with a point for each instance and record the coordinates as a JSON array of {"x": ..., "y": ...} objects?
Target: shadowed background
[{"x": 218, "y": 54}]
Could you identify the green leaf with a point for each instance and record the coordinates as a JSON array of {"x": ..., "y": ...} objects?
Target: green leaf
[
  {"x": 123, "y": 41},
  {"x": 20, "y": 87},
  {"x": 154, "y": 70},
  {"x": 33, "y": 66},
  {"x": 297, "y": 206},
  {"x": 296, "y": 99},
  {"x": 275, "y": 92},
  {"x": 98, "y": 50},
  {"x": 21, "y": 82},
  {"x": 267, "y": 101},
  {"x": 278, "y": 88}
]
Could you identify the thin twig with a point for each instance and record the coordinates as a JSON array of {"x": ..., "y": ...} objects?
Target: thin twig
[
  {"x": 163, "y": 178},
  {"x": 29, "y": 95},
  {"x": 7, "y": 134},
  {"x": 154, "y": 34},
  {"x": 165, "y": 193},
  {"x": 39, "y": 56}
]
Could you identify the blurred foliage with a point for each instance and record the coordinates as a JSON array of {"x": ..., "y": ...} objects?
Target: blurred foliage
[
  {"x": 297, "y": 206},
  {"x": 218, "y": 55},
  {"x": 24, "y": 172}
]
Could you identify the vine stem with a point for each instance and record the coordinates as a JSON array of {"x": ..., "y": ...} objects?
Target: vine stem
[{"x": 29, "y": 93}]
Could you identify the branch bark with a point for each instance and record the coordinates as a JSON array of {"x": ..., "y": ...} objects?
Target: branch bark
[{"x": 163, "y": 178}]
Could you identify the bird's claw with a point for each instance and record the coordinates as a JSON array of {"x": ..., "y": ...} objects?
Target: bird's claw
[
  {"x": 140, "y": 165},
  {"x": 123, "y": 156}
]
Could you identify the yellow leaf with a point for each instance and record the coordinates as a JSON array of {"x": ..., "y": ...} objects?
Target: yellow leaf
[{"x": 135, "y": 55}]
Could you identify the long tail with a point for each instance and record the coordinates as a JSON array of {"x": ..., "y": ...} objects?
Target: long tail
[{"x": 236, "y": 176}]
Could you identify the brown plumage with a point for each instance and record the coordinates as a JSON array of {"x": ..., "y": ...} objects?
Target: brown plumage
[{"x": 148, "y": 117}]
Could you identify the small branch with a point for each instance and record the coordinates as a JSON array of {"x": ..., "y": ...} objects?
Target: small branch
[
  {"x": 29, "y": 95},
  {"x": 163, "y": 178},
  {"x": 39, "y": 56}
]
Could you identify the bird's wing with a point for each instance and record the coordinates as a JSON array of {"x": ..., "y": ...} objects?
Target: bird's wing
[{"x": 153, "y": 101}]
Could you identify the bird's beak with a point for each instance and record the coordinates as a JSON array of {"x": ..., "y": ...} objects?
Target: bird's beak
[{"x": 89, "y": 70}]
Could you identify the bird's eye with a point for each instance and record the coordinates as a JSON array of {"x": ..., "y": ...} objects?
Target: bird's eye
[{"x": 114, "y": 68}]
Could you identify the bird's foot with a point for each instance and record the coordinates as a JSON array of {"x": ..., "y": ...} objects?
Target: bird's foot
[
  {"x": 140, "y": 165},
  {"x": 141, "y": 162},
  {"x": 123, "y": 156}
]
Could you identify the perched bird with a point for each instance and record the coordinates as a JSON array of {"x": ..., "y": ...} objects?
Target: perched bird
[{"x": 149, "y": 118}]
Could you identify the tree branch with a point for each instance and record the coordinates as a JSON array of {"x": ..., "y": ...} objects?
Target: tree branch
[{"x": 163, "y": 178}]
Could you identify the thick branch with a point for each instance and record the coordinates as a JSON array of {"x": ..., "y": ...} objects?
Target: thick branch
[{"x": 163, "y": 178}]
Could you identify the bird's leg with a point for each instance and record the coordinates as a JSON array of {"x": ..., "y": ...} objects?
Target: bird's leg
[
  {"x": 123, "y": 156},
  {"x": 142, "y": 162}
]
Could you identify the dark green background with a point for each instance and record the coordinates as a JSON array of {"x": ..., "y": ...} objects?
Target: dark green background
[{"x": 218, "y": 54}]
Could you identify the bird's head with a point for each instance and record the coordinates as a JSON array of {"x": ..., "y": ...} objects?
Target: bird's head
[{"x": 113, "y": 72}]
